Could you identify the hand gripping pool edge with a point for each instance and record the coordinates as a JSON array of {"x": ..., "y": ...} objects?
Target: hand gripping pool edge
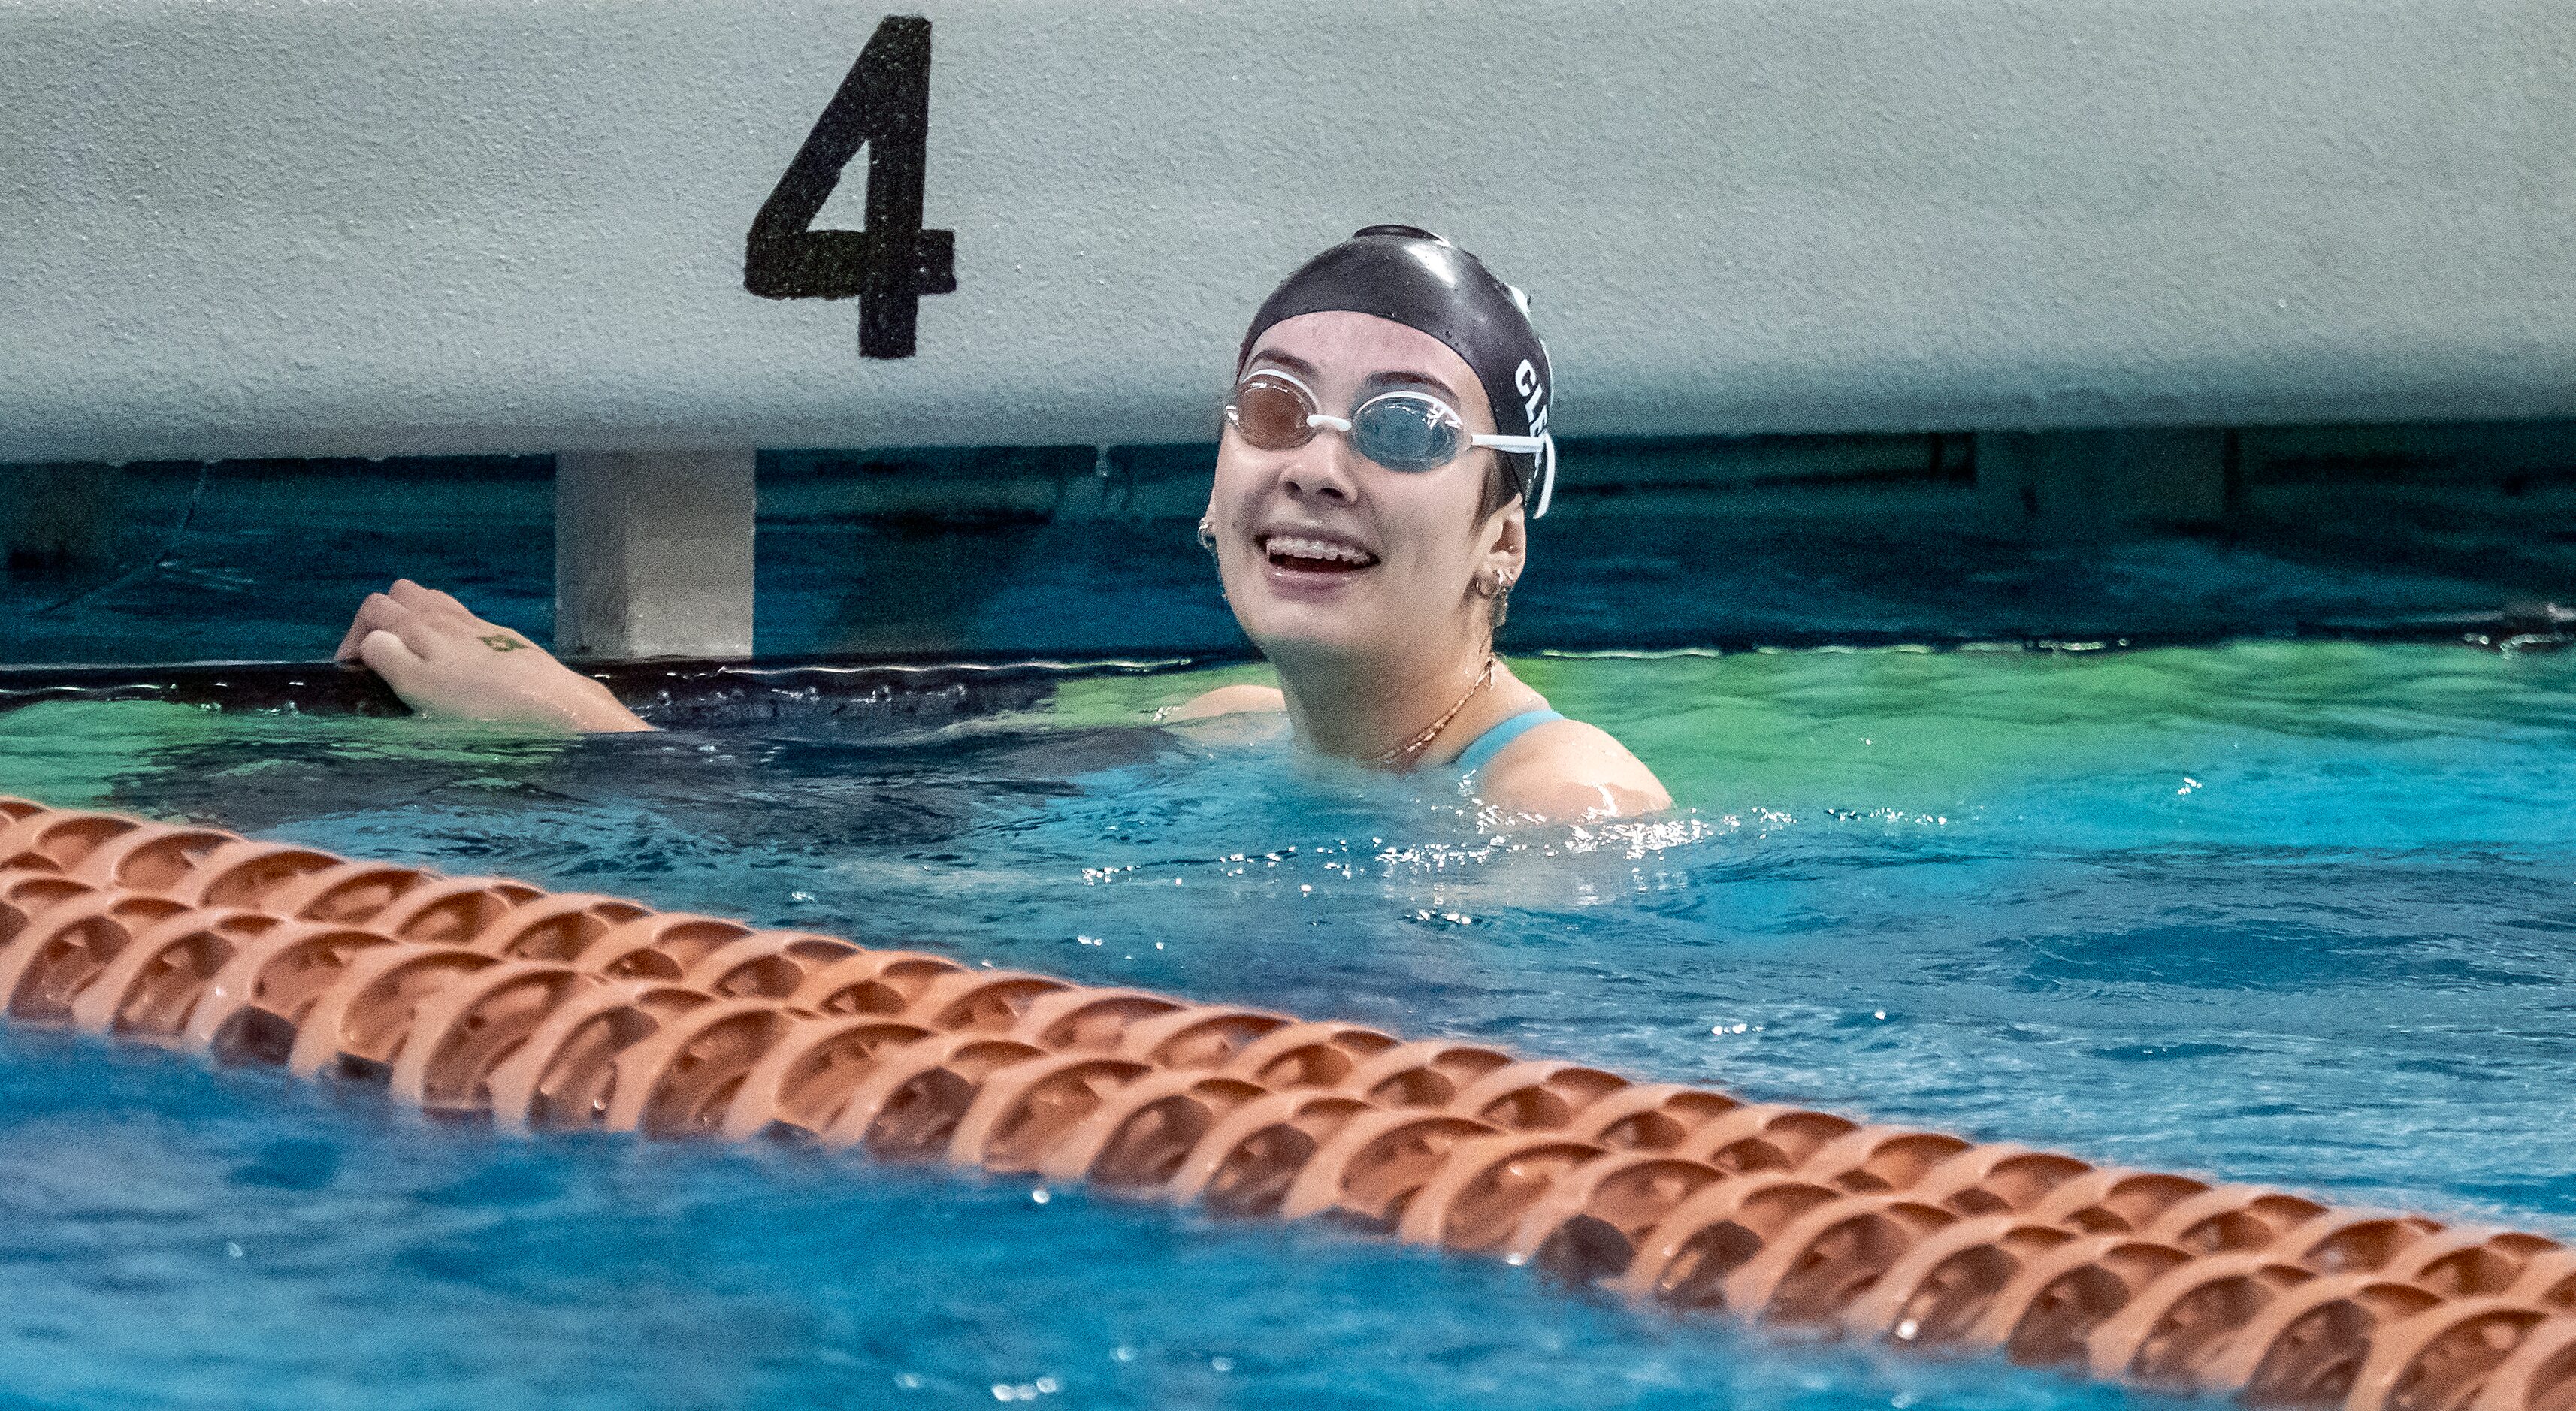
[{"x": 481, "y": 998}]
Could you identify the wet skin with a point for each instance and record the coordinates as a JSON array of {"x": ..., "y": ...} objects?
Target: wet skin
[{"x": 1372, "y": 590}]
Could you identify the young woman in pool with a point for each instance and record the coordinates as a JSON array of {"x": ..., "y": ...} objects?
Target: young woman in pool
[{"x": 1382, "y": 450}]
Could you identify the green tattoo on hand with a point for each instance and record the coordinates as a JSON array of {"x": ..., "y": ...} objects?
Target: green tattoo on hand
[{"x": 503, "y": 642}]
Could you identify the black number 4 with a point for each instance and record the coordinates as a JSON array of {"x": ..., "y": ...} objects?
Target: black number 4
[{"x": 884, "y": 106}]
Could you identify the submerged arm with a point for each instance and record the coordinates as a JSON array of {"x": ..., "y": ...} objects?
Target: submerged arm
[{"x": 1228, "y": 700}]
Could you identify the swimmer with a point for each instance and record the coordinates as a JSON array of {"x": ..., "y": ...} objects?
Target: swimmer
[{"x": 1383, "y": 451}]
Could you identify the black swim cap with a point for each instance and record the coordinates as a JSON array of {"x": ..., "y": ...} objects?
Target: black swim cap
[{"x": 1417, "y": 279}]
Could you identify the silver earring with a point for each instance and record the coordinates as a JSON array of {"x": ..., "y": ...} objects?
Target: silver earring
[{"x": 1207, "y": 541}]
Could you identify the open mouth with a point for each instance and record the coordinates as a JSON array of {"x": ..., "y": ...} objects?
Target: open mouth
[{"x": 1307, "y": 553}]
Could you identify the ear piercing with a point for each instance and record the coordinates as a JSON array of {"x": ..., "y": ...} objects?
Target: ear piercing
[{"x": 1207, "y": 541}]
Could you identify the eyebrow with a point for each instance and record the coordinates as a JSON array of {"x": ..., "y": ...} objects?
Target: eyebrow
[
  {"x": 1292, "y": 363},
  {"x": 1392, "y": 377},
  {"x": 1395, "y": 378}
]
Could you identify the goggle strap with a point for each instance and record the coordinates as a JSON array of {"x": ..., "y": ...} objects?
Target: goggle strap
[{"x": 1543, "y": 447}]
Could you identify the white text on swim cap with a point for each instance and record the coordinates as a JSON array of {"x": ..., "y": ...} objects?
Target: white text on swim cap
[{"x": 1526, "y": 382}]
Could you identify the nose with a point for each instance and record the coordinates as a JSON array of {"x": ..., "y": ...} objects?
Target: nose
[{"x": 1321, "y": 468}]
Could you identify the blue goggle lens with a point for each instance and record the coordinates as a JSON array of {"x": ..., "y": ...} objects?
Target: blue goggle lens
[{"x": 1404, "y": 431}]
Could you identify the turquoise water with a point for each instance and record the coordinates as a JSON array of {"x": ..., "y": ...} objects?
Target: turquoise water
[{"x": 2297, "y": 913}]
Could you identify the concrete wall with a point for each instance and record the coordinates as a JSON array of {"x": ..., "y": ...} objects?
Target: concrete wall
[{"x": 242, "y": 227}]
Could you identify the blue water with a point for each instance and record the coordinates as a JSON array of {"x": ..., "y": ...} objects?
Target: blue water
[{"x": 2297, "y": 913}]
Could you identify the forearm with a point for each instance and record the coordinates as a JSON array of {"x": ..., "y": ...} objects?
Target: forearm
[{"x": 598, "y": 712}]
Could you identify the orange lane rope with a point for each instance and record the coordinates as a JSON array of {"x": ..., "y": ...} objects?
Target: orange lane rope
[{"x": 480, "y": 997}]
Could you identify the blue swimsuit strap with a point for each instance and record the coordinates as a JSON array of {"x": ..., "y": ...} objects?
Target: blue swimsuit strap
[{"x": 1483, "y": 748}]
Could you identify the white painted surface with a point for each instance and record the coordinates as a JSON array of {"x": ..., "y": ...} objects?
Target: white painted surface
[
  {"x": 653, "y": 553},
  {"x": 358, "y": 226}
]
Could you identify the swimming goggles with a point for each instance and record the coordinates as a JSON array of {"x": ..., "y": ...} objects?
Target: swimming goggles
[{"x": 1403, "y": 430}]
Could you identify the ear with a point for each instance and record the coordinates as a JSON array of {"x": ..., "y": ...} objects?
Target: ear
[{"x": 1505, "y": 542}]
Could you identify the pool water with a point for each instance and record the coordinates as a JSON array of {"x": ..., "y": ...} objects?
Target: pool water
[{"x": 2291, "y": 912}]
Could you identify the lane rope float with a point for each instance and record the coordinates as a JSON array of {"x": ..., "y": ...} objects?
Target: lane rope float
[{"x": 482, "y": 998}]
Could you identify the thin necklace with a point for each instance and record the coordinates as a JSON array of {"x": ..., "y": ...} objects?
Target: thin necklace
[{"x": 1415, "y": 746}]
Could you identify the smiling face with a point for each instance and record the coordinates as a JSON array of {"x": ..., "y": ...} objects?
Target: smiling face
[{"x": 1326, "y": 555}]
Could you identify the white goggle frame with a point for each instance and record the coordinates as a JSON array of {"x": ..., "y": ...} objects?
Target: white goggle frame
[{"x": 1543, "y": 447}]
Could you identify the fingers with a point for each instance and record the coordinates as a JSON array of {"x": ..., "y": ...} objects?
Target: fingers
[
  {"x": 391, "y": 658},
  {"x": 420, "y": 599},
  {"x": 404, "y": 604},
  {"x": 374, "y": 614},
  {"x": 428, "y": 635}
]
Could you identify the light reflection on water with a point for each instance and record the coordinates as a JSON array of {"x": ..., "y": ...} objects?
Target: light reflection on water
[{"x": 2291, "y": 913}]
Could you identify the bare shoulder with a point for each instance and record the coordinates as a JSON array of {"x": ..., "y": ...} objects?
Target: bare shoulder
[
  {"x": 1228, "y": 700},
  {"x": 1573, "y": 772}
]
